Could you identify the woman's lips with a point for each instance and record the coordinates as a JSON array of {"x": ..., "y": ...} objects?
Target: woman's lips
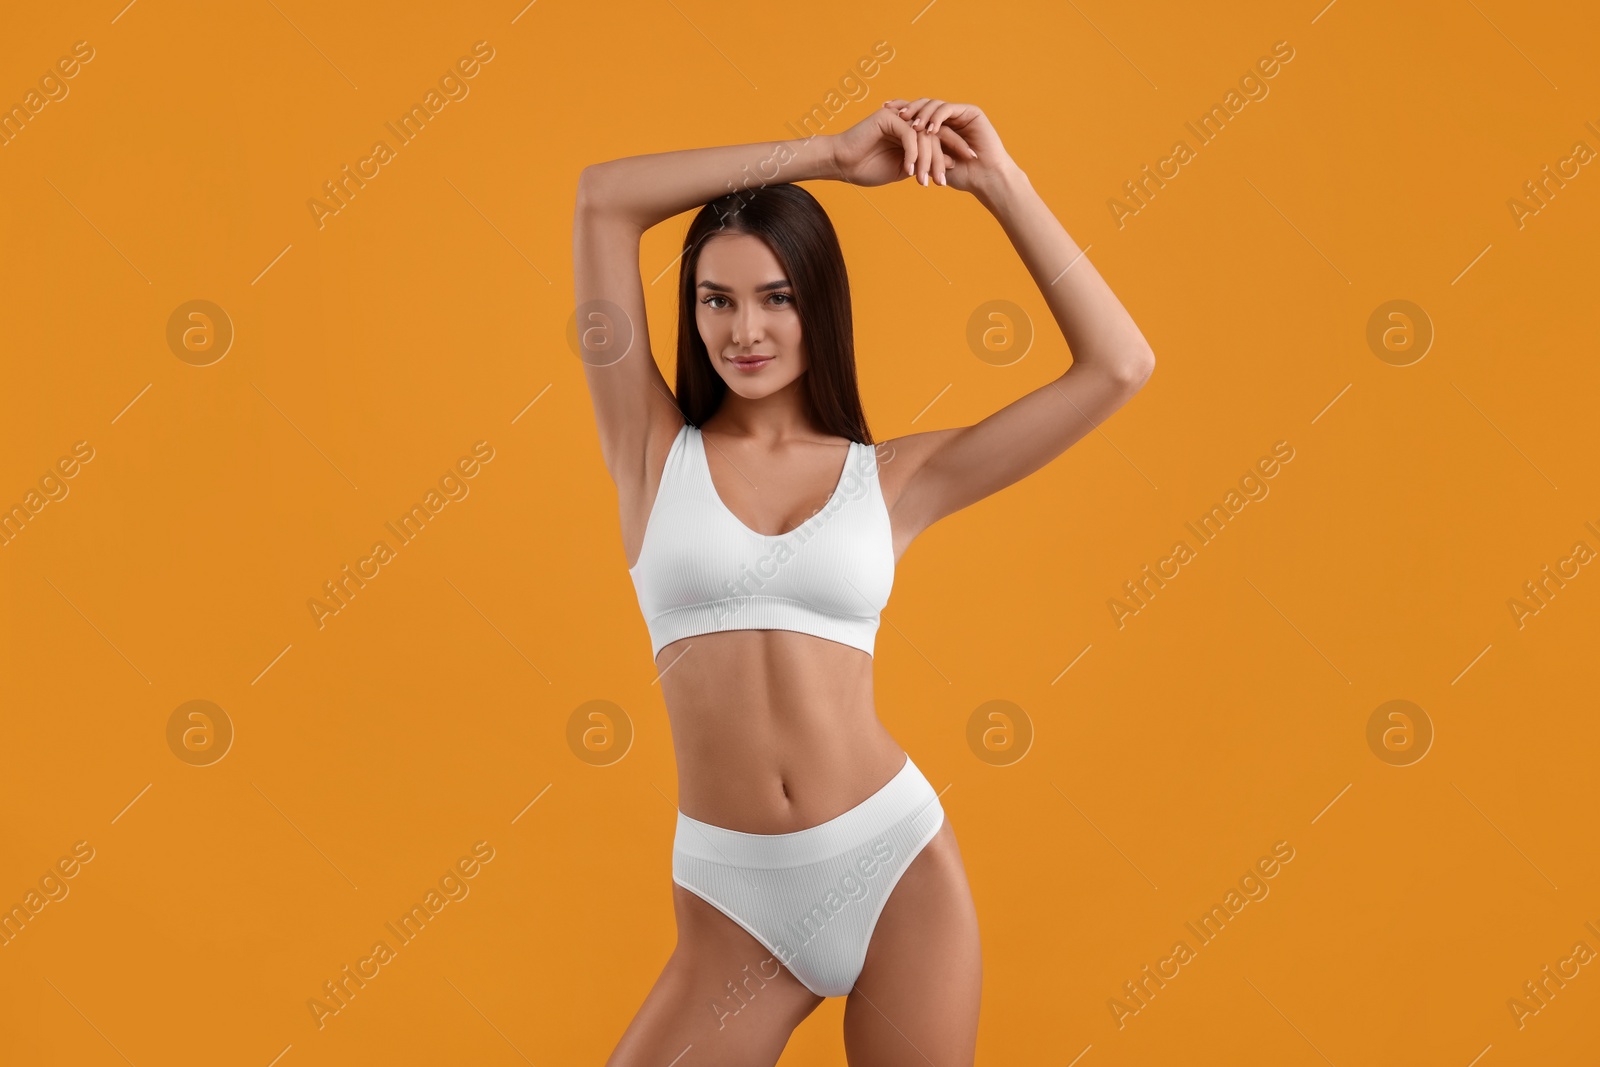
[{"x": 752, "y": 364}]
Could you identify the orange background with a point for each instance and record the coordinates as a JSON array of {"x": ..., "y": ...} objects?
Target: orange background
[{"x": 370, "y": 354}]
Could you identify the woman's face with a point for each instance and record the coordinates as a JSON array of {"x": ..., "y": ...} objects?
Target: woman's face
[{"x": 745, "y": 307}]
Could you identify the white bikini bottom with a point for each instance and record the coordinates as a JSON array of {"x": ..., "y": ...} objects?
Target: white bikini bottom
[{"x": 812, "y": 897}]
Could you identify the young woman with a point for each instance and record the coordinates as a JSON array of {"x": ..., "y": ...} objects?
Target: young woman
[{"x": 811, "y": 856}]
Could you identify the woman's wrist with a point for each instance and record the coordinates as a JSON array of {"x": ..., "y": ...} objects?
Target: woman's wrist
[
  {"x": 803, "y": 159},
  {"x": 999, "y": 188}
]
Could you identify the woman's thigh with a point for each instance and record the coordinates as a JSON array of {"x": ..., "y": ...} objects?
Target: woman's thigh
[
  {"x": 916, "y": 1001},
  {"x": 721, "y": 999}
]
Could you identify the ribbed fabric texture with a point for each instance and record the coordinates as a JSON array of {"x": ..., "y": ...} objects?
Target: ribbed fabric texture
[
  {"x": 813, "y": 897},
  {"x": 702, "y": 570}
]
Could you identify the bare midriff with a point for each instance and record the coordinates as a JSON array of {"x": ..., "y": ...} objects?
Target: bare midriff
[{"x": 774, "y": 731}]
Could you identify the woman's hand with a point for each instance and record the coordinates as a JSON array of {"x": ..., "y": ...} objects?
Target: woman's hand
[
  {"x": 968, "y": 147},
  {"x": 941, "y": 143},
  {"x": 880, "y": 149}
]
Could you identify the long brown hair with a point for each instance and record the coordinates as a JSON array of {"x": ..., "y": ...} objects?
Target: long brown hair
[{"x": 801, "y": 236}]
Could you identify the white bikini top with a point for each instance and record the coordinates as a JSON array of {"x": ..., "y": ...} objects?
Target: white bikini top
[{"x": 702, "y": 570}]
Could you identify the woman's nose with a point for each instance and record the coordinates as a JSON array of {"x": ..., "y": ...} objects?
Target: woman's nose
[{"x": 746, "y": 330}]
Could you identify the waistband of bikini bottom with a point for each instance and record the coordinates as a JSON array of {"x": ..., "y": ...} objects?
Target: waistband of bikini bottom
[{"x": 904, "y": 795}]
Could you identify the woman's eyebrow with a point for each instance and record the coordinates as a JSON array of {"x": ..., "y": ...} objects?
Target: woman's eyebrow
[{"x": 781, "y": 283}]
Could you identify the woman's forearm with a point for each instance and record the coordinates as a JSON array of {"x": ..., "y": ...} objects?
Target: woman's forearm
[
  {"x": 651, "y": 188},
  {"x": 1098, "y": 329}
]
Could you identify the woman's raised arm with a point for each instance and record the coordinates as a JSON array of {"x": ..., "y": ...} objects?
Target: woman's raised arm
[{"x": 1111, "y": 360}]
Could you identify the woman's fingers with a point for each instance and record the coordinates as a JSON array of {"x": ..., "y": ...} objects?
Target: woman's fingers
[
  {"x": 908, "y": 139},
  {"x": 919, "y": 149},
  {"x": 937, "y": 115},
  {"x": 932, "y": 115},
  {"x": 934, "y": 160},
  {"x": 931, "y": 147},
  {"x": 953, "y": 144},
  {"x": 912, "y": 112},
  {"x": 919, "y": 112}
]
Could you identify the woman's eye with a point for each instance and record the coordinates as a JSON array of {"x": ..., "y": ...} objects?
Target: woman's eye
[{"x": 785, "y": 297}]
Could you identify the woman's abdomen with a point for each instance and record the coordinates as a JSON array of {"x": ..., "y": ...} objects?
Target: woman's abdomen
[{"x": 773, "y": 731}]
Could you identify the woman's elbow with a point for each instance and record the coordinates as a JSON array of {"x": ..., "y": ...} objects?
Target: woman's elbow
[
  {"x": 1138, "y": 371},
  {"x": 589, "y": 184}
]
